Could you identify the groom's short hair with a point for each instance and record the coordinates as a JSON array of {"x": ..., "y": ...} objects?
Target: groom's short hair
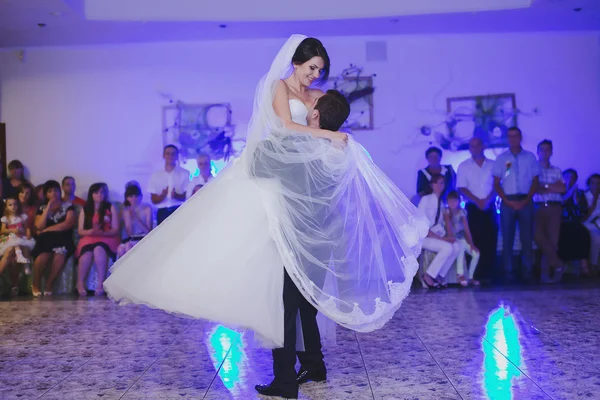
[{"x": 334, "y": 110}]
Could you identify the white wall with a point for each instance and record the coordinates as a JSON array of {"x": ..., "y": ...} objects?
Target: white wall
[{"x": 95, "y": 112}]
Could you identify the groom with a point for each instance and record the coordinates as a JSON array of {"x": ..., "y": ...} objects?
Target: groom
[{"x": 329, "y": 112}]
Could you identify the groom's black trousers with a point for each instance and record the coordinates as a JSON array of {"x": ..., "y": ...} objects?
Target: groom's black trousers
[
  {"x": 296, "y": 178},
  {"x": 284, "y": 359}
]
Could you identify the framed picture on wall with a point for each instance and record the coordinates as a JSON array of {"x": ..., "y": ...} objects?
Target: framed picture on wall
[
  {"x": 196, "y": 128},
  {"x": 359, "y": 92},
  {"x": 487, "y": 117}
]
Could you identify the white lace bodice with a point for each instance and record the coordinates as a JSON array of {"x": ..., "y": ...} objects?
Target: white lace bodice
[{"x": 299, "y": 111}]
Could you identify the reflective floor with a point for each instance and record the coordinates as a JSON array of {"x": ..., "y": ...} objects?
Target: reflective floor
[{"x": 518, "y": 344}]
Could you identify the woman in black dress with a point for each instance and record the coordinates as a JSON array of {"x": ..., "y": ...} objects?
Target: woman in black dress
[
  {"x": 54, "y": 245},
  {"x": 575, "y": 242}
]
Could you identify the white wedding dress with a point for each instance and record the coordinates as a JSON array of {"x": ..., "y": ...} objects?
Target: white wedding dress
[
  {"x": 214, "y": 258},
  {"x": 346, "y": 235}
]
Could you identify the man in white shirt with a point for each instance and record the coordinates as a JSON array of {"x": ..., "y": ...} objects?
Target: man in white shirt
[
  {"x": 476, "y": 183},
  {"x": 168, "y": 186},
  {"x": 203, "y": 160}
]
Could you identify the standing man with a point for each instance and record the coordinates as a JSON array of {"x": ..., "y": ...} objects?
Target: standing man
[
  {"x": 168, "y": 186},
  {"x": 516, "y": 173},
  {"x": 476, "y": 183},
  {"x": 548, "y": 213}
]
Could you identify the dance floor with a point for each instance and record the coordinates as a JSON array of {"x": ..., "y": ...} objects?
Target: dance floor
[{"x": 539, "y": 343}]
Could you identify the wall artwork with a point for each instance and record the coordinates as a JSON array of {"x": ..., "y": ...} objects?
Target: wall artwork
[
  {"x": 199, "y": 128},
  {"x": 359, "y": 92},
  {"x": 487, "y": 117}
]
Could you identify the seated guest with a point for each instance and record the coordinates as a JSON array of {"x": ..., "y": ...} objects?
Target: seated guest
[
  {"x": 99, "y": 237},
  {"x": 15, "y": 241},
  {"x": 137, "y": 217},
  {"x": 434, "y": 156},
  {"x": 592, "y": 219},
  {"x": 69, "y": 187},
  {"x": 574, "y": 240},
  {"x": 5, "y": 186},
  {"x": 10, "y": 185},
  {"x": 8, "y": 261},
  {"x": 26, "y": 199},
  {"x": 16, "y": 172},
  {"x": 54, "y": 244},
  {"x": 438, "y": 240},
  {"x": 39, "y": 198},
  {"x": 205, "y": 174},
  {"x": 459, "y": 228},
  {"x": 15, "y": 233},
  {"x": 196, "y": 189},
  {"x": 168, "y": 186},
  {"x": 106, "y": 192}
]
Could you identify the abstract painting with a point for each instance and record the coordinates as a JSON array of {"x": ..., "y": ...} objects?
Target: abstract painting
[
  {"x": 487, "y": 117},
  {"x": 196, "y": 128}
]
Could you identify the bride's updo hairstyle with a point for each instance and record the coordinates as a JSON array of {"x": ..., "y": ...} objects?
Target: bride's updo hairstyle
[{"x": 309, "y": 48}]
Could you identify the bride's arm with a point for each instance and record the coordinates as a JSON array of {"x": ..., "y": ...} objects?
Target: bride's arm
[{"x": 281, "y": 105}]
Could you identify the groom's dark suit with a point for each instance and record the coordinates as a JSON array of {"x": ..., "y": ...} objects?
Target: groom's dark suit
[
  {"x": 296, "y": 179},
  {"x": 284, "y": 358}
]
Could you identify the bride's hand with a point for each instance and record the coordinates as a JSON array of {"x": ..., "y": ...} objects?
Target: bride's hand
[{"x": 338, "y": 138}]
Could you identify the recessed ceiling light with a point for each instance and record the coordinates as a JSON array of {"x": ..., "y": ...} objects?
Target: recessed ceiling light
[
  {"x": 222, "y": 26},
  {"x": 577, "y": 9},
  {"x": 41, "y": 25}
]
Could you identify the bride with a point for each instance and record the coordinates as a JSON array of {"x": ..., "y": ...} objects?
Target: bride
[{"x": 301, "y": 198}]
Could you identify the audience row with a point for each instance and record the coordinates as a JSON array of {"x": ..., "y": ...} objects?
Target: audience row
[
  {"x": 49, "y": 223},
  {"x": 517, "y": 189}
]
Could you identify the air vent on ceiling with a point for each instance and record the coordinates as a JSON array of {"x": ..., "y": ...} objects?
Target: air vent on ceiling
[{"x": 377, "y": 51}]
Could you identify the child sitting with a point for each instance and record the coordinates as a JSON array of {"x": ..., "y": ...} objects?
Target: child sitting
[
  {"x": 460, "y": 229},
  {"x": 15, "y": 231}
]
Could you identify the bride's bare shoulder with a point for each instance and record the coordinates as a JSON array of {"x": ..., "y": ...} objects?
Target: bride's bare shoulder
[
  {"x": 282, "y": 88},
  {"x": 281, "y": 84}
]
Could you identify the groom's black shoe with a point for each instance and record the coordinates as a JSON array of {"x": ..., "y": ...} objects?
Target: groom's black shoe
[
  {"x": 273, "y": 390},
  {"x": 315, "y": 376}
]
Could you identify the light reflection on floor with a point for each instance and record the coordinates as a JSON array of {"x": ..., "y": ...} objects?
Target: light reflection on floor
[
  {"x": 501, "y": 337},
  {"x": 227, "y": 353}
]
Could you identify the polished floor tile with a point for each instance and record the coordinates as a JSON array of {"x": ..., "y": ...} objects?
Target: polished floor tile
[{"x": 535, "y": 343}]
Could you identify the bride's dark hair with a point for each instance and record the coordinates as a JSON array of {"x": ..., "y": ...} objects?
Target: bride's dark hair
[{"x": 309, "y": 48}]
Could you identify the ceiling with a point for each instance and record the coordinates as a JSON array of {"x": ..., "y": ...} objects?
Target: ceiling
[
  {"x": 85, "y": 22},
  {"x": 277, "y": 10}
]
